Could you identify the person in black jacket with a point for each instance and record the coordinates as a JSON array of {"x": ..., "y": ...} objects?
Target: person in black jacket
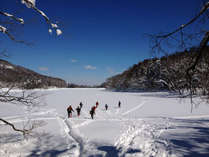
[
  {"x": 81, "y": 105},
  {"x": 78, "y": 109},
  {"x": 119, "y": 103},
  {"x": 69, "y": 111},
  {"x": 106, "y": 107}
]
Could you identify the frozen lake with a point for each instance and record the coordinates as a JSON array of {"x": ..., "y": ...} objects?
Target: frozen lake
[{"x": 146, "y": 124}]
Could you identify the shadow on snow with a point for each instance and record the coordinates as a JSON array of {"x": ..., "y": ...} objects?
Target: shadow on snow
[
  {"x": 113, "y": 151},
  {"x": 192, "y": 140},
  {"x": 47, "y": 146}
]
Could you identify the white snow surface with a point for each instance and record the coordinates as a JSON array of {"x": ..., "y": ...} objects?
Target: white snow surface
[{"x": 149, "y": 124}]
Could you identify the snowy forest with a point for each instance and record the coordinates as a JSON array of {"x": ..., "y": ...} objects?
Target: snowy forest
[{"x": 165, "y": 73}]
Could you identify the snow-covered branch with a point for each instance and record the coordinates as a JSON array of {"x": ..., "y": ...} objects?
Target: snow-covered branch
[
  {"x": 3, "y": 29},
  {"x": 28, "y": 99},
  {"x": 31, "y": 4},
  {"x": 20, "y": 20}
]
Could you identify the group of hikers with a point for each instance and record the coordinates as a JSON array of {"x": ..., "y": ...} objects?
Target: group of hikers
[
  {"x": 78, "y": 109},
  {"x": 92, "y": 112}
]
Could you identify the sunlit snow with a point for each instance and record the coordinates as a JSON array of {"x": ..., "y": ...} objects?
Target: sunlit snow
[{"x": 157, "y": 124}]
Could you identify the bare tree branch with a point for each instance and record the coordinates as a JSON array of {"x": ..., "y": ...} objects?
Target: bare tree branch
[
  {"x": 179, "y": 38},
  {"x": 202, "y": 11},
  {"x": 28, "y": 99},
  {"x": 200, "y": 51},
  {"x": 23, "y": 131}
]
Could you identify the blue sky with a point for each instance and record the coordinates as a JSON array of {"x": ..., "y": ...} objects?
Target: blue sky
[{"x": 100, "y": 38}]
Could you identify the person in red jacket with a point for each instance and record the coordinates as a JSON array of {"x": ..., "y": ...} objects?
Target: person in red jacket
[
  {"x": 92, "y": 112},
  {"x": 69, "y": 111},
  {"x": 97, "y": 104}
]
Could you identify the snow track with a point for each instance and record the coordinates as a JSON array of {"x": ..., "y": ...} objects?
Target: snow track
[
  {"x": 134, "y": 109},
  {"x": 65, "y": 129},
  {"x": 140, "y": 137},
  {"x": 87, "y": 122},
  {"x": 77, "y": 138},
  {"x": 34, "y": 114},
  {"x": 69, "y": 136},
  {"x": 137, "y": 129},
  {"x": 74, "y": 135}
]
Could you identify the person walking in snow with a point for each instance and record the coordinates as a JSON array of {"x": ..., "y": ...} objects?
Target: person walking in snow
[
  {"x": 81, "y": 105},
  {"x": 78, "y": 109},
  {"x": 97, "y": 104},
  {"x": 106, "y": 107},
  {"x": 119, "y": 103},
  {"x": 69, "y": 111},
  {"x": 92, "y": 112}
]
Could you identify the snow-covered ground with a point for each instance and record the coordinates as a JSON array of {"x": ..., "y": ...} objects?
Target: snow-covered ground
[{"x": 154, "y": 124}]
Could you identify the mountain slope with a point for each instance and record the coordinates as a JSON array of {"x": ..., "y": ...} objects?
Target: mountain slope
[
  {"x": 19, "y": 76},
  {"x": 168, "y": 72}
]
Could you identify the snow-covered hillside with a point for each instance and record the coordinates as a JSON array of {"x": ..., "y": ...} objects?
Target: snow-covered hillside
[{"x": 154, "y": 124}]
